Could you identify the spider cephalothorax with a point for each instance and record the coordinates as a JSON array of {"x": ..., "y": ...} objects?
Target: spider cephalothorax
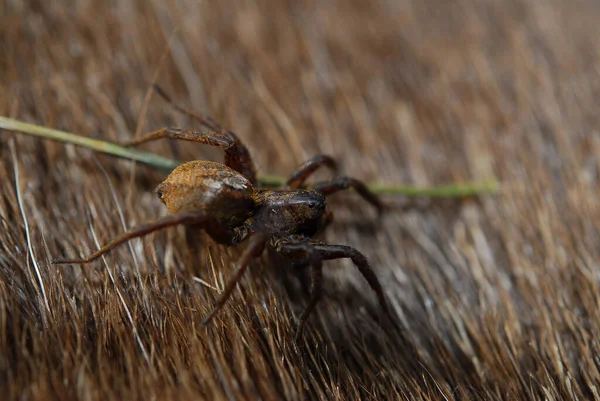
[{"x": 225, "y": 200}]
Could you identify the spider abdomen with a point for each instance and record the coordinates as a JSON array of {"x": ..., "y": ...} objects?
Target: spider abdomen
[{"x": 223, "y": 193}]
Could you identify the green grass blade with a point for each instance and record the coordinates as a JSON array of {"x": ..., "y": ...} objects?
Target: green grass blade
[{"x": 166, "y": 165}]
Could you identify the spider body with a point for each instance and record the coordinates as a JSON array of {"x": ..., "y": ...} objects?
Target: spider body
[
  {"x": 289, "y": 212},
  {"x": 225, "y": 196},
  {"x": 226, "y": 201},
  {"x": 235, "y": 208}
]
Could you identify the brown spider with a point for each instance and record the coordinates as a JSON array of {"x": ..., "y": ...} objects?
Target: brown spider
[{"x": 226, "y": 201}]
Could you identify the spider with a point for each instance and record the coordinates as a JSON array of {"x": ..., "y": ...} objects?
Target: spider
[{"x": 226, "y": 200}]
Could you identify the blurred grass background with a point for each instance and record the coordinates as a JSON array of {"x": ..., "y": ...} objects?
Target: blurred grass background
[{"x": 498, "y": 298}]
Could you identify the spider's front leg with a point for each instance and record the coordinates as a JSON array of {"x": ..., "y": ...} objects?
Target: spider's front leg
[
  {"x": 303, "y": 172},
  {"x": 315, "y": 252},
  {"x": 341, "y": 183},
  {"x": 299, "y": 176}
]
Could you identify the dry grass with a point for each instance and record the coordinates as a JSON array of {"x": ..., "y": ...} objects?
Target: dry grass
[{"x": 498, "y": 298}]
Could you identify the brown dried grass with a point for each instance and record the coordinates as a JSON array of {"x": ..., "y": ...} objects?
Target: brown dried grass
[{"x": 498, "y": 298}]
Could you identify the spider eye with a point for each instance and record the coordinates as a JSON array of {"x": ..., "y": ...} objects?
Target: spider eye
[
  {"x": 159, "y": 193},
  {"x": 312, "y": 204}
]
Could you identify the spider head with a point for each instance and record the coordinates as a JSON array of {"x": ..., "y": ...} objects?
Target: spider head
[
  {"x": 289, "y": 212},
  {"x": 306, "y": 206}
]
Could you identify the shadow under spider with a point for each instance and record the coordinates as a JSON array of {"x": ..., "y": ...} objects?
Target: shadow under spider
[{"x": 351, "y": 335}]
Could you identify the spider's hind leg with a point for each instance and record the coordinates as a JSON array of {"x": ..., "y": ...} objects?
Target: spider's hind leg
[
  {"x": 236, "y": 154},
  {"x": 204, "y": 120},
  {"x": 255, "y": 248},
  {"x": 197, "y": 217}
]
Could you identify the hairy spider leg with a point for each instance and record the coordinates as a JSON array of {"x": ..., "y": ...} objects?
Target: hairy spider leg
[
  {"x": 139, "y": 231},
  {"x": 316, "y": 291},
  {"x": 237, "y": 156},
  {"x": 300, "y": 175},
  {"x": 329, "y": 252},
  {"x": 317, "y": 252},
  {"x": 204, "y": 120},
  {"x": 341, "y": 183},
  {"x": 316, "y": 277},
  {"x": 255, "y": 248}
]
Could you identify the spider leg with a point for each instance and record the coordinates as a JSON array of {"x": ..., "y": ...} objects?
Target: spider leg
[
  {"x": 140, "y": 231},
  {"x": 310, "y": 166},
  {"x": 303, "y": 247},
  {"x": 236, "y": 154},
  {"x": 316, "y": 252},
  {"x": 255, "y": 248},
  {"x": 341, "y": 183},
  {"x": 316, "y": 291},
  {"x": 204, "y": 120},
  {"x": 329, "y": 252}
]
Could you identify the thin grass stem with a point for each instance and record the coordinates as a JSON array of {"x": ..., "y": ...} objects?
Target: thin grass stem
[{"x": 166, "y": 165}]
